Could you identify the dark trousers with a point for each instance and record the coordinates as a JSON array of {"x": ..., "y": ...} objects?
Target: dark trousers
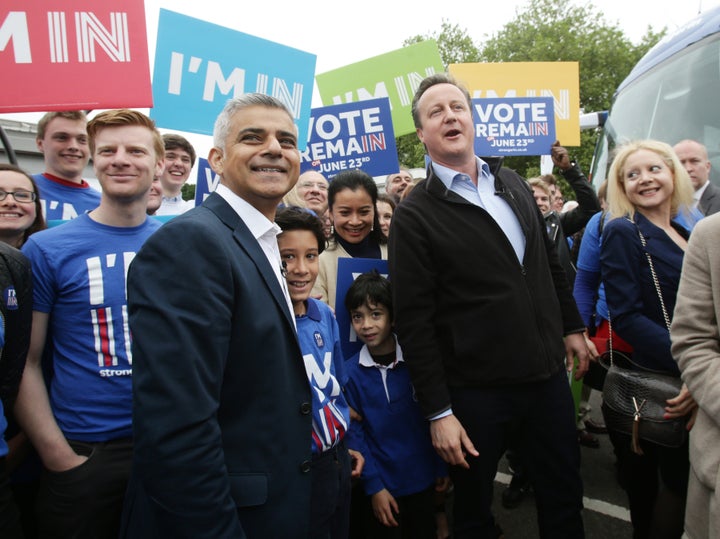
[
  {"x": 330, "y": 494},
  {"x": 10, "y": 526},
  {"x": 540, "y": 416},
  {"x": 656, "y": 485},
  {"x": 416, "y": 518},
  {"x": 86, "y": 502}
]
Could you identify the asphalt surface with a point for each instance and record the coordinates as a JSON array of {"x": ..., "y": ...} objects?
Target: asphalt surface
[{"x": 605, "y": 515}]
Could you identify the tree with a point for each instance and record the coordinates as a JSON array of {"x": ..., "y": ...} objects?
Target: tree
[
  {"x": 548, "y": 31},
  {"x": 454, "y": 44},
  {"x": 558, "y": 30},
  {"x": 188, "y": 191},
  {"x": 456, "y": 47}
]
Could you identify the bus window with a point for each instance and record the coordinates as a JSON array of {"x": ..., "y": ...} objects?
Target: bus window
[{"x": 673, "y": 100}]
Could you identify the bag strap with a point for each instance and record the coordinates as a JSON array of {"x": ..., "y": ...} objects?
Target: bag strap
[{"x": 656, "y": 282}]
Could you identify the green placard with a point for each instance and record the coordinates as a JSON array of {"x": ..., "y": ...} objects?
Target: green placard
[{"x": 395, "y": 75}]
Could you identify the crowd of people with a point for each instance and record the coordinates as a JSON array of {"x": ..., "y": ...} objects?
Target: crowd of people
[{"x": 185, "y": 376}]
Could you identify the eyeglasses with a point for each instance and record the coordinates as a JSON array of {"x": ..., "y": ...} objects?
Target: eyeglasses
[
  {"x": 21, "y": 195},
  {"x": 318, "y": 185}
]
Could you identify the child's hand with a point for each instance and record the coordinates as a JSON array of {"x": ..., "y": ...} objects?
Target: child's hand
[
  {"x": 385, "y": 507},
  {"x": 442, "y": 484},
  {"x": 354, "y": 416},
  {"x": 358, "y": 461}
]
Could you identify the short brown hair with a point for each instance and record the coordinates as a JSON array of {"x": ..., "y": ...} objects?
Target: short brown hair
[
  {"x": 121, "y": 117},
  {"x": 429, "y": 82},
  {"x": 178, "y": 142},
  {"x": 75, "y": 115}
]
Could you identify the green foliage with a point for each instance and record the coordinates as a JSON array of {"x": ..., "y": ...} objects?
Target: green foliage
[
  {"x": 454, "y": 44},
  {"x": 411, "y": 152},
  {"x": 188, "y": 191},
  {"x": 547, "y": 31}
]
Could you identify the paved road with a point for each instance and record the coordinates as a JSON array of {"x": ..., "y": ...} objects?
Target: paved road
[{"x": 606, "y": 515}]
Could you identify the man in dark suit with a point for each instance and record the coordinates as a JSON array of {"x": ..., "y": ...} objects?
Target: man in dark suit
[
  {"x": 694, "y": 158},
  {"x": 481, "y": 307},
  {"x": 221, "y": 411}
]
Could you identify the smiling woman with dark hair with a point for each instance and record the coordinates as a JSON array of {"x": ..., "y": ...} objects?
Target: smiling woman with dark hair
[
  {"x": 352, "y": 200},
  {"x": 20, "y": 208}
]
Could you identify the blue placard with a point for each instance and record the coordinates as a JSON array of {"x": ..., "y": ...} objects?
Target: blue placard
[
  {"x": 351, "y": 135},
  {"x": 199, "y": 66},
  {"x": 207, "y": 181},
  {"x": 348, "y": 270},
  {"x": 514, "y": 125}
]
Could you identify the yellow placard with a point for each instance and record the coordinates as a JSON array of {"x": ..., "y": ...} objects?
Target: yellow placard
[{"x": 559, "y": 80}]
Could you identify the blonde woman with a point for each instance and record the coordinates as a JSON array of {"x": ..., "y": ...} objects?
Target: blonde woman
[{"x": 646, "y": 187}]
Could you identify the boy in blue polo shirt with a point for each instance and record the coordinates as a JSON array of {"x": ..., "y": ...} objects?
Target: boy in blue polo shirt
[
  {"x": 402, "y": 470},
  {"x": 300, "y": 243}
]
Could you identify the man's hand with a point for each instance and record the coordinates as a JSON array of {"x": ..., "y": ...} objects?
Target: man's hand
[
  {"x": 358, "y": 461},
  {"x": 385, "y": 508},
  {"x": 451, "y": 441},
  {"x": 442, "y": 484},
  {"x": 65, "y": 461},
  {"x": 575, "y": 346},
  {"x": 354, "y": 416},
  {"x": 560, "y": 157}
]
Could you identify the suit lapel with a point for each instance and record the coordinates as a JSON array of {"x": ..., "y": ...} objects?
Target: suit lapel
[
  {"x": 707, "y": 203},
  {"x": 247, "y": 242}
]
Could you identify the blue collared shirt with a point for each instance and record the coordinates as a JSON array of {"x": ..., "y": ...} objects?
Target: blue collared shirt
[{"x": 483, "y": 195}]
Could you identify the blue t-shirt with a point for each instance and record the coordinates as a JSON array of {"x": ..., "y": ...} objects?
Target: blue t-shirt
[
  {"x": 319, "y": 339},
  {"x": 65, "y": 200},
  {"x": 79, "y": 273}
]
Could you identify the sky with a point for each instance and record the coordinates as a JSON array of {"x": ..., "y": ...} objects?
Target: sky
[
  {"x": 357, "y": 31},
  {"x": 339, "y": 36}
]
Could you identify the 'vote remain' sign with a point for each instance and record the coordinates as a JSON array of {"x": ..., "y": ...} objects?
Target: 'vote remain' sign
[{"x": 514, "y": 126}]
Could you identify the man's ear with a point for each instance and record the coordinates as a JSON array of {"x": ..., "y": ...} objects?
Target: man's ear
[
  {"x": 418, "y": 131},
  {"x": 216, "y": 158},
  {"x": 159, "y": 167},
  {"x": 39, "y": 144}
]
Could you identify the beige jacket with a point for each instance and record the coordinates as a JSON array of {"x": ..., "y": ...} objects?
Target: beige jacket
[
  {"x": 696, "y": 347},
  {"x": 326, "y": 283}
]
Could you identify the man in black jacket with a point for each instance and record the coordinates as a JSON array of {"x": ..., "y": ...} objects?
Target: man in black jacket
[
  {"x": 482, "y": 304},
  {"x": 565, "y": 224}
]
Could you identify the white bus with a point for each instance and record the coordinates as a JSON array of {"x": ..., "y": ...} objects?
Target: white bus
[{"x": 673, "y": 93}]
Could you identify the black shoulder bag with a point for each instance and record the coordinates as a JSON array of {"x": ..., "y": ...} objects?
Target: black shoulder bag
[{"x": 634, "y": 400}]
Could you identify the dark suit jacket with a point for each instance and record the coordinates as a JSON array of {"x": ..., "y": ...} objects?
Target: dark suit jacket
[
  {"x": 221, "y": 411},
  {"x": 710, "y": 200}
]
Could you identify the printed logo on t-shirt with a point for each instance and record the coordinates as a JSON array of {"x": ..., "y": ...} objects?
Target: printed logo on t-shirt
[
  {"x": 110, "y": 324},
  {"x": 10, "y": 297}
]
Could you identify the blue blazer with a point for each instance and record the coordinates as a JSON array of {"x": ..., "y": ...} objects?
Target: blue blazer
[
  {"x": 632, "y": 299},
  {"x": 221, "y": 400}
]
